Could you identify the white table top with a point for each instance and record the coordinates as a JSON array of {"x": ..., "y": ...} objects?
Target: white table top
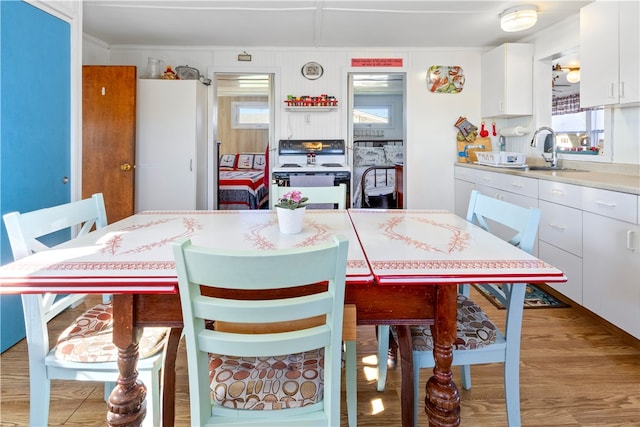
[
  {"x": 135, "y": 254},
  {"x": 411, "y": 246},
  {"x": 402, "y": 246}
]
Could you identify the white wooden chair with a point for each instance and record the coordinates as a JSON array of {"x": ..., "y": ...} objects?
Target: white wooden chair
[
  {"x": 227, "y": 364},
  {"x": 84, "y": 351},
  {"x": 486, "y": 344},
  {"x": 336, "y": 195}
]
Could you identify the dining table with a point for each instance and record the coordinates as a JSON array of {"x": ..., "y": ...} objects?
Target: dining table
[{"x": 403, "y": 268}]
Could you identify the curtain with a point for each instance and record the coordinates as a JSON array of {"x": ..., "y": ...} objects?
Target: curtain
[{"x": 566, "y": 105}]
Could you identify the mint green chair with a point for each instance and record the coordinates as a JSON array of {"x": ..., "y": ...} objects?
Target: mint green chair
[
  {"x": 485, "y": 344},
  {"x": 288, "y": 377},
  {"x": 84, "y": 351}
]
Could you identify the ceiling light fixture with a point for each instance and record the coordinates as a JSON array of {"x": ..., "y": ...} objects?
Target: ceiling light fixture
[
  {"x": 573, "y": 73},
  {"x": 573, "y": 76},
  {"x": 518, "y": 18}
]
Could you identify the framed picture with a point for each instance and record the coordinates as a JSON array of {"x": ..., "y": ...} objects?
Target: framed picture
[{"x": 312, "y": 70}]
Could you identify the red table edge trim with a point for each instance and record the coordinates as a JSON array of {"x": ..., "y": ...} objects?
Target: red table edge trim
[{"x": 462, "y": 279}]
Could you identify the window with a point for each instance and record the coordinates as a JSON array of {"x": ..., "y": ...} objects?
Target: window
[
  {"x": 250, "y": 115},
  {"x": 584, "y": 128},
  {"x": 372, "y": 116}
]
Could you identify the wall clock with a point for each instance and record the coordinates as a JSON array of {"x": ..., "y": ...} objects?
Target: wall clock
[{"x": 312, "y": 70}]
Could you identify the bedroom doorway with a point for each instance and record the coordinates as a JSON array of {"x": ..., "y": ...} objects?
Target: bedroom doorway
[
  {"x": 376, "y": 117},
  {"x": 243, "y": 116}
]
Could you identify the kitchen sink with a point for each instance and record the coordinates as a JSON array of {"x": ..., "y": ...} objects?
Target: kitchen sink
[{"x": 551, "y": 168}]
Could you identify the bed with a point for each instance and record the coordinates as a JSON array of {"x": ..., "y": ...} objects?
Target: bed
[
  {"x": 374, "y": 172},
  {"x": 241, "y": 182}
]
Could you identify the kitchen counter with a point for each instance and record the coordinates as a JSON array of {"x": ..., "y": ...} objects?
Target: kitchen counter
[{"x": 615, "y": 177}]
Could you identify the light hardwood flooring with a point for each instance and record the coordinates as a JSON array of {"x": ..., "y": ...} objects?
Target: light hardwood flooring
[{"x": 575, "y": 371}]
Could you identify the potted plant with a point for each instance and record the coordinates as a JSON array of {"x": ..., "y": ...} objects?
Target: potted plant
[{"x": 290, "y": 210}]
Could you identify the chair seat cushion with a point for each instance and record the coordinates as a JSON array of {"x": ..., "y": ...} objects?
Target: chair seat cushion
[
  {"x": 267, "y": 383},
  {"x": 475, "y": 329},
  {"x": 90, "y": 338}
]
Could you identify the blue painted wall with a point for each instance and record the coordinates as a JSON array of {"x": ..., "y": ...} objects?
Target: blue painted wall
[{"x": 34, "y": 127}]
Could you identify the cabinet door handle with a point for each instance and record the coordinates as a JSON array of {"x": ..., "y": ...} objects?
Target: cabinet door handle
[
  {"x": 517, "y": 185},
  {"x": 605, "y": 204},
  {"x": 191, "y": 165},
  {"x": 612, "y": 90},
  {"x": 621, "y": 89},
  {"x": 557, "y": 192},
  {"x": 630, "y": 239},
  {"x": 499, "y": 196},
  {"x": 558, "y": 226}
]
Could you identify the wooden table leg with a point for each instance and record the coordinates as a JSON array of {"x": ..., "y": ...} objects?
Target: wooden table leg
[
  {"x": 406, "y": 365},
  {"x": 169, "y": 377},
  {"x": 442, "y": 402},
  {"x": 127, "y": 405}
]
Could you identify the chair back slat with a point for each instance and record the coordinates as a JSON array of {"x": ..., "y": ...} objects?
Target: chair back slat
[
  {"x": 336, "y": 195},
  {"x": 268, "y": 311},
  {"x": 244, "y": 345}
]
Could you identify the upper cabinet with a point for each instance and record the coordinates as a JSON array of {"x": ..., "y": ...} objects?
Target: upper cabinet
[
  {"x": 609, "y": 52},
  {"x": 507, "y": 81}
]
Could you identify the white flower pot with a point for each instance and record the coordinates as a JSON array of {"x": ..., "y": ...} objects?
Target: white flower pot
[{"x": 290, "y": 220}]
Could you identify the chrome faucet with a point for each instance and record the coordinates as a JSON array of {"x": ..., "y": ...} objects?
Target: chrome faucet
[{"x": 554, "y": 147}]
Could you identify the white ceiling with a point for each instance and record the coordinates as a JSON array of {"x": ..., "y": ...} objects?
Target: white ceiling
[{"x": 326, "y": 24}]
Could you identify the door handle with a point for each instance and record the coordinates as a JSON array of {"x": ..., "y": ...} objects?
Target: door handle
[{"x": 126, "y": 167}]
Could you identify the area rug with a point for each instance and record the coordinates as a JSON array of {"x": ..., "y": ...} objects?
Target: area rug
[{"x": 534, "y": 298}]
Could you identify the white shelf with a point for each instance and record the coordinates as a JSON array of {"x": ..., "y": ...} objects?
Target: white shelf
[{"x": 308, "y": 109}]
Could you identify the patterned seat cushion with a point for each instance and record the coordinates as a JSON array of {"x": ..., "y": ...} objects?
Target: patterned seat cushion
[
  {"x": 475, "y": 329},
  {"x": 267, "y": 383},
  {"x": 89, "y": 338}
]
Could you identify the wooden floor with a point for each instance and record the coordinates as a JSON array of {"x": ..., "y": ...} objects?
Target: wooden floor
[{"x": 575, "y": 372}]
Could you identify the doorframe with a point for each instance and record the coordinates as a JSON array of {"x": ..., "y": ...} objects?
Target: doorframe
[
  {"x": 274, "y": 117},
  {"x": 350, "y": 106}
]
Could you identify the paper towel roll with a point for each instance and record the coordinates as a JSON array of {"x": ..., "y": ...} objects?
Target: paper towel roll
[{"x": 514, "y": 131}]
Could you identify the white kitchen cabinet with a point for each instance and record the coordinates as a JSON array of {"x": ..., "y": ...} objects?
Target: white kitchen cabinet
[
  {"x": 507, "y": 81},
  {"x": 171, "y": 148},
  {"x": 512, "y": 183},
  {"x": 561, "y": 226},
  {"x": 613, "y": 204},
  {"x": 609, "y": 53},
  {"x": 560, "y": 233},
  {"x": 611, "y": 268},
  {"x": 611, "y": 257},
  {"x": 569, "y": 264},
  {"x": 463, "y": 185},
  {"x": 591, "y": 234}
]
